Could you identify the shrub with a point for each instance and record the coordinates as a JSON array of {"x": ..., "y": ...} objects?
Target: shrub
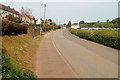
[
  {"x": 56, "y": 27},
  {"x": 106, "y": 37},
  {"x": 10, "y": 71},
  {"x": 49, "y": 27},
  {"x": 11, "y": 28},
  {"x": 18, "y": 21},
  {"x": 10, "y": 17}
]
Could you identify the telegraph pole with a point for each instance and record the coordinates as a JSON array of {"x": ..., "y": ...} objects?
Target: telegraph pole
[{"x": 44, "y": 6}]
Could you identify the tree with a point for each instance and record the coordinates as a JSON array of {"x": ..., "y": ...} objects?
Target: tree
[
  {"x": 117, "y": 20},
  {"x": 98, "y": 21},
  {"x": 53, "y": 23},
  {"x": 50, "y": 20},
  {"x": 107, "y": 20},
  {"x": 25, "y": 13},
  {"x": 64, "y": 24},
  {"x": 81, "y": 22},
  {"x": 69, "y": 24},
  {"x": 34, "y": 19}
]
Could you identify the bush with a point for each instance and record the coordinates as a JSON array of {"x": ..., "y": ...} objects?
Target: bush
[
  {"x": 57, "y": 27},
  {"x": 99, "y": 25},
  {"x": 49, "y": 27},
  {"x": 9, "y": 71},
  {"x": 35, "y": 24},
  {"x": 10, "y": 17},
  {"x": 18, "y": 21},
  {"x": 106, "y": 37},
  {"x": 11, "y": 28}
]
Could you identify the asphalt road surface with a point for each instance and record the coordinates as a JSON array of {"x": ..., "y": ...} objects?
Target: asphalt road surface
[
  {"x": 63, "y": 55},
  {"x": 88, "y": 59}
]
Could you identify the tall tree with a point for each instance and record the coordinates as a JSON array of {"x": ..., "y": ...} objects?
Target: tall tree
[
  {"x": 69, "y": 24},
  {"x": 98, "y": 21},
  {"x": 34, "y": 19},
  {"x": 107, "y": 20}
]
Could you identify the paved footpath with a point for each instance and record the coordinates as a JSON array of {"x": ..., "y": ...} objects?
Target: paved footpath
[{"x": 49, "y": 63}]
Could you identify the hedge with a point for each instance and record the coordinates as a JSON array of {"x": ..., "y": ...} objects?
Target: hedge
[
  {"x": 106, "y": 37},
  {"x": 12, "y": 28},
  {"x": 48, "y": 28}
]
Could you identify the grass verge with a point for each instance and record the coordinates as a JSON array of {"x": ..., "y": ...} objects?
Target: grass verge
[{"x": 18, "y": 53}]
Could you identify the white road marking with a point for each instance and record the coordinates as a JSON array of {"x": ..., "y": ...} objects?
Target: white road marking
[{"x": 75, "y": 73}]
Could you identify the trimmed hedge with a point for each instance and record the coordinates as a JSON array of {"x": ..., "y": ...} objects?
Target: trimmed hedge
[
  {"x": 107, "y": 37},
  {"x": 12, "y": 28}
]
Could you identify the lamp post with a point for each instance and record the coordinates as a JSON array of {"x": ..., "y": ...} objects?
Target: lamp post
[
  {"x": 40, "y": 29},
  {"x": 44, "y": 6}
]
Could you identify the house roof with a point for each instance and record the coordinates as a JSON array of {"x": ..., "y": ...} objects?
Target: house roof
[
  {"x": 7, "y": 8},
  {"x": 25, "y": 15}
]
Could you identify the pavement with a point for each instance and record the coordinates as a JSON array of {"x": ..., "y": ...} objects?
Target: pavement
[{"x": 63, "y": 55}]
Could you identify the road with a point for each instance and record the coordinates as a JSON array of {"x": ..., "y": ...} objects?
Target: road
[
  {"x": 48, "y": 61},
  {"x": 80, "y": 58}
]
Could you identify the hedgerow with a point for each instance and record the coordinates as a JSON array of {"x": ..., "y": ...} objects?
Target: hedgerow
[
  {"x": 12, "y": 28},
  {"x": 107, "y": 37}
]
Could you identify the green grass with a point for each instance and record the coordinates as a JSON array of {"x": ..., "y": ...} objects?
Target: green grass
[
  {"x": 10, "y": 71},
  {"x": 18, "y": 55},
  {"x": 106, "y": 37}
]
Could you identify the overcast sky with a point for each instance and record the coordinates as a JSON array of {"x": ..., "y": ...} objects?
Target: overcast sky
[{"x": 62, "y": 12}]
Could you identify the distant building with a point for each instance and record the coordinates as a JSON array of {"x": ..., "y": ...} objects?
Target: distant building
[
  {"x": 39, "y": 21},
  {"x": 75, "y": 26},
  {"x": 6, "y": 10}
]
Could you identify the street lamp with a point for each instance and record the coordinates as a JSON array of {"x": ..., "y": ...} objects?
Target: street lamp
[{"x": 44, "y": 6}]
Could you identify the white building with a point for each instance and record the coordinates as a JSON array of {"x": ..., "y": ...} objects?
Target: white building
[
  {"x": 6, "y": 10},
  {"x": 75, "y": 26},
  {"x": 38, "y": 21}
]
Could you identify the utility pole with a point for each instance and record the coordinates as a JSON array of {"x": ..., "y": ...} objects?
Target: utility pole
[
  {"x": 40, "y": 28},
  {"x": 44, "y": 6}
]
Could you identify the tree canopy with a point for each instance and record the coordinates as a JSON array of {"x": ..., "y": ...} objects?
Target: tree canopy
[
  {"x": 117, "y": 20},
  {"x": 81, "y": 22}
]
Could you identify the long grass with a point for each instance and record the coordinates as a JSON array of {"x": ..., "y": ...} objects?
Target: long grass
[{"x": 20, "y": 51}]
